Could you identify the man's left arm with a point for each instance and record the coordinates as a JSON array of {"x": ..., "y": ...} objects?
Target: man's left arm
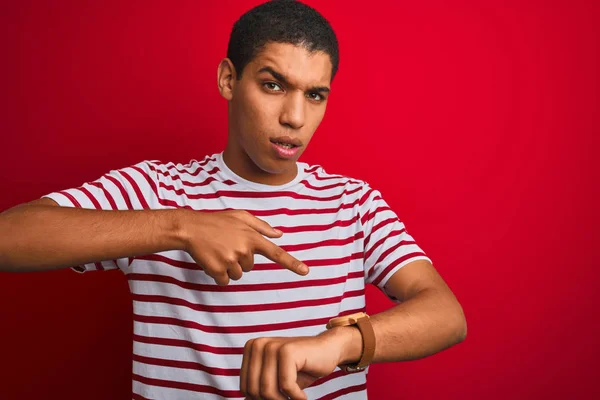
[{"x": 428, "y": 319}]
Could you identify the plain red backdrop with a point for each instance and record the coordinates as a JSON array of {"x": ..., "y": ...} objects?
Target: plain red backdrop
[{"x": 478, "y": 121}]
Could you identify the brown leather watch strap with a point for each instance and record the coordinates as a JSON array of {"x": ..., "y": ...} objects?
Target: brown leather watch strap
[
  {"x": 368, "y": 335},
  {"x": 363, "y": 323}
]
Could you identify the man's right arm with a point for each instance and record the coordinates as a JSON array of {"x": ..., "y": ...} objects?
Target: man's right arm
[{"x": 41, "y": 235}]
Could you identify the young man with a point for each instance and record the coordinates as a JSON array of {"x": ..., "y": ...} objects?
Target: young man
[{"x": 248, "y": 268}]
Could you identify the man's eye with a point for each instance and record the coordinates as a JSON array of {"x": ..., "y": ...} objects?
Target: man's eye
[
  {"x": 315, "y": 96},
  {"x": 273, "y": 86}
]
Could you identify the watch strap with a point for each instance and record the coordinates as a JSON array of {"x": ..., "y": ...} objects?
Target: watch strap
[
  {"x": 363, "y": 323},
  {"x": 368, "y": 335}
]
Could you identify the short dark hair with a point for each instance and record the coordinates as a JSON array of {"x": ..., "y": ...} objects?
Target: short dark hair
[{"x": 280, "y": 21}]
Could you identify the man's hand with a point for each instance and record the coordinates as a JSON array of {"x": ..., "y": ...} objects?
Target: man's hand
[
  {"x": 224, "y": 243},
  {"x": 279, "y": 368}
]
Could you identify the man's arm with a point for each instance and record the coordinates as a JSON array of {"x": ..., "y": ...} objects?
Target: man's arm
[
  {"x": 428, "y": 320},
  {"x": 41, "y": 235}
]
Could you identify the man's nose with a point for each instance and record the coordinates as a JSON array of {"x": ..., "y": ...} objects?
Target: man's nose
[{"x": 293, "y": 113}]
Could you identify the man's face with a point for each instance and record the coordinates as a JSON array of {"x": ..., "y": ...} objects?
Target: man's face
[{"x": 278, "y": 104}]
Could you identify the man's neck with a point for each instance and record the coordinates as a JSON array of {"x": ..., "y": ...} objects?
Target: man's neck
[{"x": 243, "y": 166}]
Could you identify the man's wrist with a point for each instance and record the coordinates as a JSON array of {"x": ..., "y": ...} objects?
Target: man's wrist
[
  {"x": 348, "y": 340},
  {"x": 178, "y": 230}
]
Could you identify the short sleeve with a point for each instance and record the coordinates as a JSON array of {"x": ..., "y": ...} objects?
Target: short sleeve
[
  {"x": 130, "y": 188},
  {"x": 387, "y": 245}
]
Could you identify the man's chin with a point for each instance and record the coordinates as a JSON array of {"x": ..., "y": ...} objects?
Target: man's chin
[{"x": 277, "y": 166}]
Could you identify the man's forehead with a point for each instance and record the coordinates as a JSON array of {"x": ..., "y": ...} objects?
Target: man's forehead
[{"x": 297, "y": 64}]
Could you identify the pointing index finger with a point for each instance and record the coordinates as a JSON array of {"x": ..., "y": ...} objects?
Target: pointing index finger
[{"x": 278, "y": 255}]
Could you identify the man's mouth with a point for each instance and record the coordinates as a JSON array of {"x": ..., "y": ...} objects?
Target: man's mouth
[
  {"x": 286, "y": 146},
  {"x": 287, "y": 142}
]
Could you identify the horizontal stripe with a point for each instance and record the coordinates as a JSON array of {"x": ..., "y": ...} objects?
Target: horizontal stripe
[
  {"x": 253, "y": 194},
  {"x": 266, "y": 213},
  {"x": 237, "y": 329},
  {"x": 225, "y": 371},
  {"x": 188, "y": 344},
  {"x": 186, "y": 365},
  {"x": 329, "y": 247},
  {"x": 237, "y": 298},
  {"x": 302, "y": 211},
  {"x": 242, "y": 287},
  {"x": 332, "y": 376},
  {"x": 187, "y": 386},
  {"x": 246, "y": 307},
  {"x": 308, "y": 185},
  {"x": 324, "y": 243},
  {"x": 170, "y": 261},
  {"x": 331, "y": 262},
  {"x": 317, "y": 228},
  {"x": 243, "y": 319},
  {"x": 344, "y": 391},
  {"x": 261, "y": 213},
  {"x": 329, "y": 177}
]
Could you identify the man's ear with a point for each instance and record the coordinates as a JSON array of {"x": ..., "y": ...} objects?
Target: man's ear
[{"x": 226, "y": 78}]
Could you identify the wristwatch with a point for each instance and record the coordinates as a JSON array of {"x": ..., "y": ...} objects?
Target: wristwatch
[{"x": 362, "y": 321}]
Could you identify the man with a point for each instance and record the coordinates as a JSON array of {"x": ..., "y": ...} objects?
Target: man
[{"x": 248, "y": 269}]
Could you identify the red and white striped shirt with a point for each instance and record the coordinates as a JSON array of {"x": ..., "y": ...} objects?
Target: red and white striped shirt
[{"x": 189, "y": 333}]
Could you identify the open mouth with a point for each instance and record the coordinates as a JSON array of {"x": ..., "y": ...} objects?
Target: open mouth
[
  {"x": 285, "y": 145},
  {"x": 286, "y": 142}
]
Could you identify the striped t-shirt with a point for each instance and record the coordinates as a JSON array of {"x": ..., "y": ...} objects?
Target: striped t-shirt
[{"x": 189, "y": 333}]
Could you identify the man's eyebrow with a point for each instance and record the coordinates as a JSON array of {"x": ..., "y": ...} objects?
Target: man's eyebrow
[
  {"x": 275, "y": 74},
  {"x": 283, "y": 79},
  {"x": 322, "y": 89}
]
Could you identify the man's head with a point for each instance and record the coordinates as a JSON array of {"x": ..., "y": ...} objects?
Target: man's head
[
  {"x": 281, "y": 59},
  {"x": 281, "y": 21}
]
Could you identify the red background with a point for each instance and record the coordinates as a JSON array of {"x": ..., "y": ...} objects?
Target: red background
[{"x": 477, "y": 120}]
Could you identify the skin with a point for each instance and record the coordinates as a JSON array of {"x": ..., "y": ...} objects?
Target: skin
[{"x": 263, "y": 105}]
